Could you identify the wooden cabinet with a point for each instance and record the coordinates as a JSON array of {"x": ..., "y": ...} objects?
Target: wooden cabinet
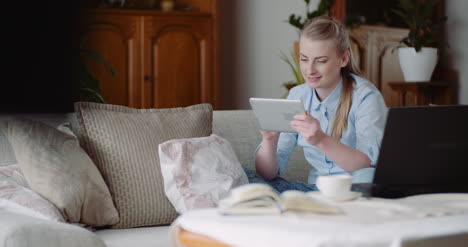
[
  {"x": 116, "y": 38},
  {"x": 161, "y": 59},
  {"x": 423, "y": 93},
  {"x": 178, "y": 60}
]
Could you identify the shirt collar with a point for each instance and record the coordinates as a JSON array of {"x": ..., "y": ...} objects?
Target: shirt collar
[{"x": 331, "y": 101}]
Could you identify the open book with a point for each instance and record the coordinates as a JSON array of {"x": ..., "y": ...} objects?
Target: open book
[{"x": 263, "y": 199}]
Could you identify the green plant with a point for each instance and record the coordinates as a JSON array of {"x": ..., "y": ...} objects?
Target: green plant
[
  {"x": 88, "y": 85},
  {"x": 295, "y": 69},
  {"x": 418, "y": 16},
  {"x": 322, "y": 9}
]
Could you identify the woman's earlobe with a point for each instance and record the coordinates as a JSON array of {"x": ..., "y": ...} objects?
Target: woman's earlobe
[{"x": 345, "y": 60}]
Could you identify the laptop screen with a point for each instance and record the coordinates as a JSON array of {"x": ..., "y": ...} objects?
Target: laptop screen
[{"x": 424, "y": 146}]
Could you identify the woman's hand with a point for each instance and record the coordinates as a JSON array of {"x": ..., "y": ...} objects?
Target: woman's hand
[
  {"x": 270, "y": 135},
  {"x": 308, "y": 127}
]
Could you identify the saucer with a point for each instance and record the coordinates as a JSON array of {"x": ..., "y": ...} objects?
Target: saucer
[{"x": 350, "y": 195}]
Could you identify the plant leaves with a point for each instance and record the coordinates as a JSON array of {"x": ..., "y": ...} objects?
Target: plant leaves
[
  {"x": 418, "y": 16},
  {"x": 94, "y": 55},
  {"x": 294, "y": 66},
  {"x": 92, "y": 94},
  {"x": 322, "y": 9}
]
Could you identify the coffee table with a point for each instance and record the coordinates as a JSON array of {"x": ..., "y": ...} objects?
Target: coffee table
[
  {"x": 191, "y": 239},
  {"x": 438, "y": 219}
]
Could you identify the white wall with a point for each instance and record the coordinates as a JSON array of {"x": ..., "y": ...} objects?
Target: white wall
[
  {"x": 253, "y": 33},
  {"x": 457, "y": 52}
]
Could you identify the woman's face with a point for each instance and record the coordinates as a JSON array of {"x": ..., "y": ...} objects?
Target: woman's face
[{"x": 321, "y": 64}]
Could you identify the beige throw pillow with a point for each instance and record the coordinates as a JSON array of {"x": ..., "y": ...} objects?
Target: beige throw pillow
[
  {"x": 58, "y": 169},
  {"x": 123, "y": 142},
  {"x": 199, "y": 172}
]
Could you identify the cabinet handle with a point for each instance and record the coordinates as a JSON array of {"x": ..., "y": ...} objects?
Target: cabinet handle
[{"x": 148, "y": 78}]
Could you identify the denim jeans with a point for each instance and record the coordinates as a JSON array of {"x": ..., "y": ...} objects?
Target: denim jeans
[{"x": 280, "y": 184}]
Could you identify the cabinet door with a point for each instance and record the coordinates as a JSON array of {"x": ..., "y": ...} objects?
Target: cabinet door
[
  {"x": 178, "y": 61},
  {"x": 116, "y": 38}
]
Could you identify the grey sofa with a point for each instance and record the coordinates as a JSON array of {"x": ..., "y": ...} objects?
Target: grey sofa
[{"x": 237, "y": 126}]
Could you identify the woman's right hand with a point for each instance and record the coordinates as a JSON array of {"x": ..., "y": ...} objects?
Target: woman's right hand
[{"x": 270, "y": 135}]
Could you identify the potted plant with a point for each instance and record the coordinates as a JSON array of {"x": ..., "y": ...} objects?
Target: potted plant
[
  {"x": 418, "y": 57},
  {"x": 323, "y": 8},
  {"x": 89, "y": 89},
  {"x": 293, "y": 63}
]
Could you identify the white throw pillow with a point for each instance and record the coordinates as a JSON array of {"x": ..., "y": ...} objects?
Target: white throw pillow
[
  {"x": 14, "y": 192},
  {"x": 22, "y": 227},
  {"x": 199, "y": 172},
  {"x": 56, "y": 168},
  {"x": 13, "y": 173}
]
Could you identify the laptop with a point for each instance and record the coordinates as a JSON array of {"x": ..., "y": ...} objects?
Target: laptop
[{"x": 424, "y": 150}]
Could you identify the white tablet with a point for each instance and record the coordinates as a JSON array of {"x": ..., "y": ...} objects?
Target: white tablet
[{"x": 276, "y": 114}]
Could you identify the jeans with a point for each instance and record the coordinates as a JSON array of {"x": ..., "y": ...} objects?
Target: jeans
[{"x": 280, "y": 184}]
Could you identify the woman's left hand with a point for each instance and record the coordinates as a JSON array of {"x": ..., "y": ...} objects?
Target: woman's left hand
[{"x": 308, "y": 127}]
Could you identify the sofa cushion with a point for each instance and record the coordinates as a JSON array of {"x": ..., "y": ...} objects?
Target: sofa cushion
[
  {"x": 199, "y": 172},
  {"x": 13, "y": 189},
  {"x": 155, "y": 236},
  {"x": 14, "y": 174},
  {"x": 7, "y": 155},
  {"x": 239, "y": 127},
  {"x": 58, "y": 169},
  {"x": 123, "y": 142},
  {"x": 21, "y": 228}
]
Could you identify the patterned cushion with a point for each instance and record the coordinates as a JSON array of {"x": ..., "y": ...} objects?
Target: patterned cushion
[
  {"x": 199, "y": 172},
  {"x": 58, "y": 169},
  {"x": 123, "y": 142}
]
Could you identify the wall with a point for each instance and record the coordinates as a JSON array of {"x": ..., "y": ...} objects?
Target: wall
[
  {"x": 253, "y": 33},
  {"x": 457, "y": 52}
]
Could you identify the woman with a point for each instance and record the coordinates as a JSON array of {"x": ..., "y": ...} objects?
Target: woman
[{"x": 343, "y": 126}]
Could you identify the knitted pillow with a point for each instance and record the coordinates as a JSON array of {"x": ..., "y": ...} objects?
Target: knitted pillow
[{"x": 123, "y": 142}]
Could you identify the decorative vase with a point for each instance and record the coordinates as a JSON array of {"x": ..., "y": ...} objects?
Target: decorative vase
[
  {"x": 417, "y": 66},
  {"x": 167, "y": 5}
]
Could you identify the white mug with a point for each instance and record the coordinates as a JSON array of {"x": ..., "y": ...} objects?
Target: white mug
[{"x": 334, "y": 185}]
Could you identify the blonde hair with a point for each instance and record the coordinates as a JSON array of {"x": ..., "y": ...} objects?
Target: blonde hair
[{"x": 327, "y": 28}]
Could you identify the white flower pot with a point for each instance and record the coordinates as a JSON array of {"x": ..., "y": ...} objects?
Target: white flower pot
[{"x": 417, "y": 66}]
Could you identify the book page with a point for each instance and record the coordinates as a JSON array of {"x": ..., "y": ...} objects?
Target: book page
[{"x": 300, "y": 201}]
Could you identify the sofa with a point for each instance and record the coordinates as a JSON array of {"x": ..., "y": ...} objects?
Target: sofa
[{"x": 18, "y": 228}]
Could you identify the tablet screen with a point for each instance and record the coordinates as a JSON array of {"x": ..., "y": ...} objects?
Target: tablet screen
[{"x": 276, "y": 114}]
